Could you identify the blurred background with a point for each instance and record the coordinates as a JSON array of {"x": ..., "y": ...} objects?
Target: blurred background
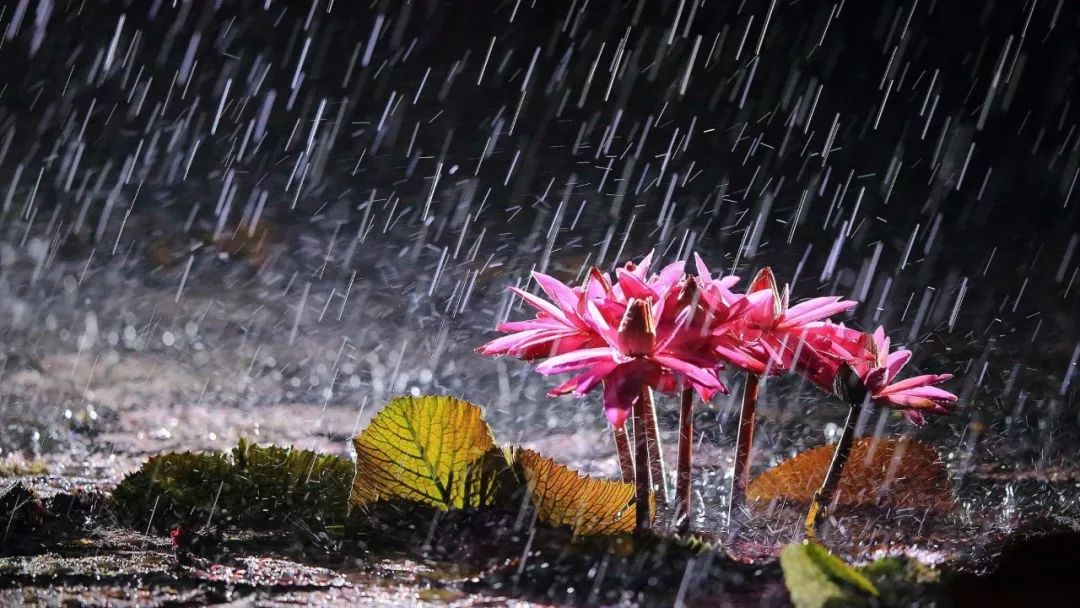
[{"x": 267, "y": 218}]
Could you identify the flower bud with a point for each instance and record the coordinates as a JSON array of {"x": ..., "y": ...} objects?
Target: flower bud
[
  {"x": 637, "y": 329},
  {"x": 849, "y": 386}
]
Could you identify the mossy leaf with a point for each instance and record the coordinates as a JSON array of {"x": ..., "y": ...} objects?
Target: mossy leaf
[
  {"x": 172, "y": 488},
  {"x": 433, "y": 450},
  {"x": 254, "y": 487},
  {"x": 816, "y": 578},
  {"x": 900, "y": 473},
  {"x": 562, "y": 497}
]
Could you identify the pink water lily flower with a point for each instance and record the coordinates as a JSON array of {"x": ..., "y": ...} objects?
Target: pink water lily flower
[
  {"x": 871, "y": 373},
  {"x": 559, "y": 327},
  {"x": 772, "y": 337},
  {"x": 820, "y": 348},
  {"x": 639, "y": 352},
  {"x": 633, "y": 332}
]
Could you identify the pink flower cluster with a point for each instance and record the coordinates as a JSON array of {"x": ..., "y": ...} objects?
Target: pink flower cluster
[{"x": 671, "y": 329}]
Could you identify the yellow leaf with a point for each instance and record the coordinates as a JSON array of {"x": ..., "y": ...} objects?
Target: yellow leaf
[
  {"x": 434, "y": 450},
  {"x": 894, "y": 473},
  {"x": 562, "y": 497}
]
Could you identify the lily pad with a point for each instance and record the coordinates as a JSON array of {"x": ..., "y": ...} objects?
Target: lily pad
[{"x": 900, "y": 473}]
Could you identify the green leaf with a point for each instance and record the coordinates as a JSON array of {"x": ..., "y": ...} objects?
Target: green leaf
[
  {"x": 438, "y": 451},
  {"x": 837, "y": 569},
  {"x": 433, "y": 450},
  {"x": 254, "y": 487},
  {"x": 902, "y": 580},
  {"x": 816, "y": 578},
  {"x": 562, "y": 497}
]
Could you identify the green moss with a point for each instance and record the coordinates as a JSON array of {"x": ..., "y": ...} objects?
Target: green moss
[{"x": 252, "y": 487}]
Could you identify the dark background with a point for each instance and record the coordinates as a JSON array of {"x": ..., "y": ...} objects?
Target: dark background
[{"x": 919, "y": 157}]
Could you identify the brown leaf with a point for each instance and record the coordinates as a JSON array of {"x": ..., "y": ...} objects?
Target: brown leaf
[
  {"x": 562, "y": 497},
  {"x": 892, "y": 473}
]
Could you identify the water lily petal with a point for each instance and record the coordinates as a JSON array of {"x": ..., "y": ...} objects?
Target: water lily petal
[
  {"x": 741, "y": 358},
  {"x": 574, "y": 360},
  {"x": 545, "y": 323},
  {"x": 703, "y": 272},
  {"x": 814, "y": 309},
  {"x": 704, "y": 377},
  {"x": 599, "y": 322},
  {"x": 581, "y": 384},
  {"x": 641, "y": 269},
  {"x": 551, "y": 344},
  {"x": 894, "y": 362},
  {"x": 668, "y": 277},
  {"x": 727, "y": 282},
  {"x": 558, "y": 291},
  {"x": 633, "y": 286},
  {"x": 911, "y": 402},
  {"x": 542, "y": 305},
  {"x": 595, "y": 375},
  {"x": 875, "y": 380},
  {"x": 507, "y": 344},
  {"x": 928, "y": 392},
  {"x": 623, "y": 387},
  {"x": 915, "y": 381}
]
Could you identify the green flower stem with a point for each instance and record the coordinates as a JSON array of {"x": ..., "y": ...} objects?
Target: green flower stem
[{"x": 824, "y": 496}]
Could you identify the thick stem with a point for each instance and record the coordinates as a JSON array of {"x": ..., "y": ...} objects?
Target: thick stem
[
  {"x": 686, "y": 445},
  {"x": 622, "y": 448},
  {"x": 657, "y": 468},
  {"x": 747, "y": 416},
  {"x": 642, "y": 483},
  {"x": 824, "y": 496}
]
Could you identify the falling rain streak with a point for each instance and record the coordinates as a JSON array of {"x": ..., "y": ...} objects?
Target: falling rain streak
[{"x": 221, "y": 220}]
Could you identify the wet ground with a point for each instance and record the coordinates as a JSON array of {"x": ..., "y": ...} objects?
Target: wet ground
[
  {"x": 105, "y": 414},
  {"x": 226, "y": 222}
]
